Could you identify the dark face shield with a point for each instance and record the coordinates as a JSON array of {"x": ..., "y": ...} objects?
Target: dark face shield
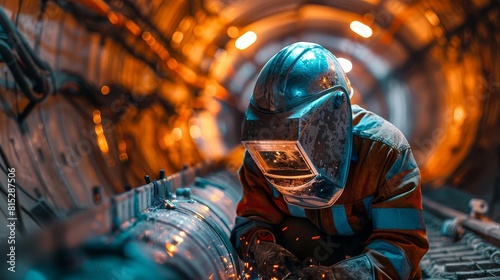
[
  {"x": 304, "y": 152},
  {"x": 284, "y": 163}
]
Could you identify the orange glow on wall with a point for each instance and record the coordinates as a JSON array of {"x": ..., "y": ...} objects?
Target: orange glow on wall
[
  {"x": 450, "y": 142},
  {"x": 122, "y": 147},
  {"x": 177, "y": 37},
  {"x": 101, "y": 139},
  {"x": 172, "y": 63},
  {"x": 96, "y": 117},
  {"x": 146, "y": 35},
  {"x": 133, "y": 27},
  {"x": 113, "y": 18},
  {"x": 177, "y": 134},
  {"x": 233, "y": 31},
  {"x": 195, "y": 131}
]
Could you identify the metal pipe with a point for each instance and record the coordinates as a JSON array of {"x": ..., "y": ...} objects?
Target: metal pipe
[{"x": 488, "y": 230}]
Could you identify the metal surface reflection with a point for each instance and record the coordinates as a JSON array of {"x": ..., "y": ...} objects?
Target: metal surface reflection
[{"x": 174, "y": 228}]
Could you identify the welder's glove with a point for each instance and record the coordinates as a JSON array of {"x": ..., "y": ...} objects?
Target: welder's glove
[
  {"x": 359, "y": 267},
  {"x": 273, "y": 260},
  {"x": 316, "y": 272}
]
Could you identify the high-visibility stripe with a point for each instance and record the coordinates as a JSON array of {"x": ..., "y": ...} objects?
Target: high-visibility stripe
[
  {"x": 276, "y": 193},
  {"x": 395, "y": 255},
  {"x": 296, "y": 211},
  {"x": 398, "y": 218},
  {"x": 338, "y": 213},
  {"x": 340, "y": 220},
  {"x": 405, "y": 162}
]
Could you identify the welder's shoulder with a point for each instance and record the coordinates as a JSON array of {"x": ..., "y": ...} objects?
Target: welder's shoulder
[{"x": 369, "y": 125}]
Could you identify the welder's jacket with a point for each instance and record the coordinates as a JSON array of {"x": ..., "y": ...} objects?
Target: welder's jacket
[{"x": 382, "y": 194}]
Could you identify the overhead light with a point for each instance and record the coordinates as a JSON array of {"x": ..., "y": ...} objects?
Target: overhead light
[
  {"x": 459, "y": 114},
  {"x": 146, "y": 36},
  {"x": 133, "y": 27},
  {"x": 346, "y": 64},
  {"x": 177, "y": 37},
  {"x": 172, "y": 63},
  {"x": 195, "y": 131},
  {"x": 105, "y": 90},
  {"x": 96, "y": 116},
  {"x": 113, "y": 18},
  {"x": 246, "y": 40},
  {"x": 432, "y": 17},
  {"x": 361, "y": 29},
  {"x": 177, "y": 134},
  {"x": 199, "y": 30},
  {"x": 233, "y": 31}
]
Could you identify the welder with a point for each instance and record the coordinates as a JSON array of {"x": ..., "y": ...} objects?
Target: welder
[{"x": 330, "y": 190}]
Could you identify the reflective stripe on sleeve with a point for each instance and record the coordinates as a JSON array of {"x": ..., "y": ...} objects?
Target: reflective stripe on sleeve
[
  {"x": 340, "y": 220},
  {"x": 339, "y": 217},
  {"x": 398, "y": 218},
  {"x": 276, "y": 193},
  {"x": 395, "y": 255},
  {"x": 296, "y": 211}
]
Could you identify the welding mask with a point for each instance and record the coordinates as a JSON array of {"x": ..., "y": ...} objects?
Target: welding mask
[{"x": 298, "y": 126}]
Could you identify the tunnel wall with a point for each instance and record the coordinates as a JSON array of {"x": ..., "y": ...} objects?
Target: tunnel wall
[{"x": 109, "y": 120}]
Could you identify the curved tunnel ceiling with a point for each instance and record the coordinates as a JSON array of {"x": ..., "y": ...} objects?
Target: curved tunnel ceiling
[
  {"x": 426, "y": 68},
  {"x": 147, "y": 85}
]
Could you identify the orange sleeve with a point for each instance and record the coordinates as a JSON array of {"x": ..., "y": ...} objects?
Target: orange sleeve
[
  {"x": 257, "y": 209},
  {"x": 399, "y": 240}
]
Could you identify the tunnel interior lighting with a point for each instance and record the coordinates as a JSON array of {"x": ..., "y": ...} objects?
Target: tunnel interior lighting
[
  {"x": 177, "y": 134},
  {"x": 361, "y": 29},
  {"x": 195, "y": 131},
  {"x": 246, "y": 40},
  {"x": 146, "y": 35},
  {"x": 133, "y": 27},
  {"x": 96, "y": 116},
  {"x": 432, "y": 17},
  {"x": 172, "y": 63},
  {"x": 122, "y": 147},
  {"x": 346, "y": 64},
  {"x": 233, "y": 32},
  {"x": 105, "y": 90},
  {"x": 177, "y": 37},
  {"x": 199, "y": 30},
  {"x": 113, "y": 18},
  {"x": 459, "y": 115},
  {"x": 101, "y": 139},
  {"x": 99, "y": 132}
]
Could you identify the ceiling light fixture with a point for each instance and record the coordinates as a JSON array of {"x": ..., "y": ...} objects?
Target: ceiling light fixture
[
  {"x": 346, "y": 64},
  {"x": 361, "y": 29},
  {"x": 246, "y": 40}
]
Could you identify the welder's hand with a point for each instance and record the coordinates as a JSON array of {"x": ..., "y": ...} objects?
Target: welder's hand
[
  {"x": 354, "y": 268},
  {"x": 317, "y": 273},
  {"x": 273, "y": 260}
]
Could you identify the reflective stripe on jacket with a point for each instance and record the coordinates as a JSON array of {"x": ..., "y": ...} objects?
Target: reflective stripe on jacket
[{"x": 382, "y": 192}]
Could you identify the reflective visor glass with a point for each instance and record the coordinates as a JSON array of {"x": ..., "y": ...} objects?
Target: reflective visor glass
[{"x": 284, "y": 163}]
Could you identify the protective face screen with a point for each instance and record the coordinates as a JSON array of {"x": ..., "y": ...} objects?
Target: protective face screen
[{"x": 283, "y": 162}]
